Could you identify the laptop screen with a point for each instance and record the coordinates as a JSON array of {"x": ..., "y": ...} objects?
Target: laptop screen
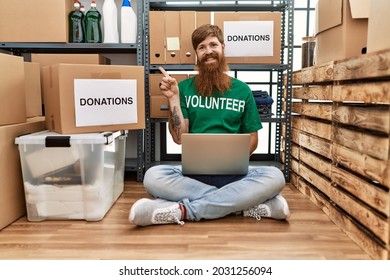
[{"x": 215, "y": 154}]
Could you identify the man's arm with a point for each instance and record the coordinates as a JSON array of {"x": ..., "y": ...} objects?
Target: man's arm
[
  {"x": 177, "y": 123},
  {"x": 254, "y": 142}
]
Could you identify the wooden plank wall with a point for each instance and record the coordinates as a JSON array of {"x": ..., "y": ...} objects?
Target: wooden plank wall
[{"x": 340, "y": 145}]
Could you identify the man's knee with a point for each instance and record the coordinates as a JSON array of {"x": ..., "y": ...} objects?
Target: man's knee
[
  {"x": 150, "y": 176},
  {"x": 277, "y": 177}
]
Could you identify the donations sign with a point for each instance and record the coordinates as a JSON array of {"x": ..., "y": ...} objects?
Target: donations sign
[
  {"x": 249, "y": 38},
  {"x": 105, "y": 101}
]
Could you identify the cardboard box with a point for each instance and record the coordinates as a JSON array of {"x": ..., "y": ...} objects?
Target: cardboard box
[
  {"x": 175, "y": 36},
  {"x": 12, "y": 90},
  {"x": 251, "y": 38},
  {"x": 154, "y": 84},
  {"x": 203, "y": 18},
  {"x": 50, "y": 59},
  {"x": 158, "y": 102},
  {"x": 172, "y": 37},
  {"x": 34, "y": 20},
  {"x": 46, "y": 59},
  {"x": 32, "y": 73},
  {"x": 187, "y": 26},
  {"x": 12, "y": 198},
  {"x": 81, "y": 98},
  {"x": 378, "y": 26},
  {"x": 77, "y": 176},
  {"x": 340, "y": 29},
  {"x": 159, "y": 107},
  {"x": 156, "y": 39}
]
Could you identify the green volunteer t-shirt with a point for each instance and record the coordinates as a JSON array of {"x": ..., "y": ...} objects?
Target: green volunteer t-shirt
[{"x": 234, "y": 111}]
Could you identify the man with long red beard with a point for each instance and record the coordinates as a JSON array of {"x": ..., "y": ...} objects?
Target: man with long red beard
[{"x": 199, "y": 105}]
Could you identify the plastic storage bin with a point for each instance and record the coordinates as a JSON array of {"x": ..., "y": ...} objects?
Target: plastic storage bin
[{"x": 76, "y": 176}]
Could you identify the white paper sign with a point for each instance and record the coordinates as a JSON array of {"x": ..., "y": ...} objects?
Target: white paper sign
[
  {"x": 173, "y": 43},
  {"x": 249, "y": 38},
  {"x": 105, "y": 101}
]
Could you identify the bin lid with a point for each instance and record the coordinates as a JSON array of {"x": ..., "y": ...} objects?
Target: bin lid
[{"x": 54, "y": 139}]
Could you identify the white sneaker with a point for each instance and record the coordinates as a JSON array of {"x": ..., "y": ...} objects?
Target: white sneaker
[
  {"x": 276, "y": 208},
  {"x": 145, "y": 212}
]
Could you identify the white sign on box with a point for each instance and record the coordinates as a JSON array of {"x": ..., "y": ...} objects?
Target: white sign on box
[
  {"x": 105, "y": 101},
  {"x": 248, "y": 38}
]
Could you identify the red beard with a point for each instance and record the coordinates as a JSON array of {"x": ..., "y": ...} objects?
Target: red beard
[{"x": 212, "y": 76}]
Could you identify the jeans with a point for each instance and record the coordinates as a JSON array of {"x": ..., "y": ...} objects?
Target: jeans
[{"x": 205, "y": 200}]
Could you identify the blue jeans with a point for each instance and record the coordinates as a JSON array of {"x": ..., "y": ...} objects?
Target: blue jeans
[{"x": 212, "y": 197}]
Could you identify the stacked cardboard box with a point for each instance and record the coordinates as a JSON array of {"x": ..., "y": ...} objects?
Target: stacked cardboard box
[
  {"x": 20, "y": 100},
  {"x": 20, "y": 90},
  {"x": 12, "y": 199},
  {"x": 34, "y": 21},
  {"x": 358, "y": 27},
  {"x": 158, "y": 102},
  {"x": 249, "y": 37},
  {"x": 33, "y": 89},
  {"x": 46, "y": 60},
  {"x": 81, "y": 98},
  {"x": 54, "y": 78},
  {"x": 378, "y": 26},
  {"x": 12, "y": 90},
  {"x": 59, "y": 89},
  {"x": 87, "y": 102}
]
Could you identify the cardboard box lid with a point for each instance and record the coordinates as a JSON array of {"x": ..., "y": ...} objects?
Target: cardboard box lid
[{"x": 332, "y": 12}]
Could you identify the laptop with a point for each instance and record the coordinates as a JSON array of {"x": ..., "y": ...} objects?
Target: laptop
[{"x": 215, "y": 154}]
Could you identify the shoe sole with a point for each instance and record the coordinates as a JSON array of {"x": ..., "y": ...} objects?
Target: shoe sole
[
  {"x": 133, "y": 208},
  {"x": 286, "y": 210}
]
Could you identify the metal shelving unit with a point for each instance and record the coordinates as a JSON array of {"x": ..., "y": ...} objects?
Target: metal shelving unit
[
  {"x": 132, "y": 164},
  {"x": 19, "y": 48},
  {"x": 282, "y": 116}
]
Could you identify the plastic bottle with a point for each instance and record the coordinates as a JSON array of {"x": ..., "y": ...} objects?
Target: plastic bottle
[
  {"x": 76, "y": 26},
  {"x": 128, "y": 23},
  {"x": 82, "y": 10},
  {"x": 93, "y": 31},
  {"x": 110, "y": 22}
]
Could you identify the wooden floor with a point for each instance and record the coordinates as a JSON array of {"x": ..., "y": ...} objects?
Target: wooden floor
[{"x": 308, "y": 235}]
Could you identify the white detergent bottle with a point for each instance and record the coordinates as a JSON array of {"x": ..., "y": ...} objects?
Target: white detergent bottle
[
  {"x": 128, "y": 23},
  {"x": 110, "y": 22}
]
